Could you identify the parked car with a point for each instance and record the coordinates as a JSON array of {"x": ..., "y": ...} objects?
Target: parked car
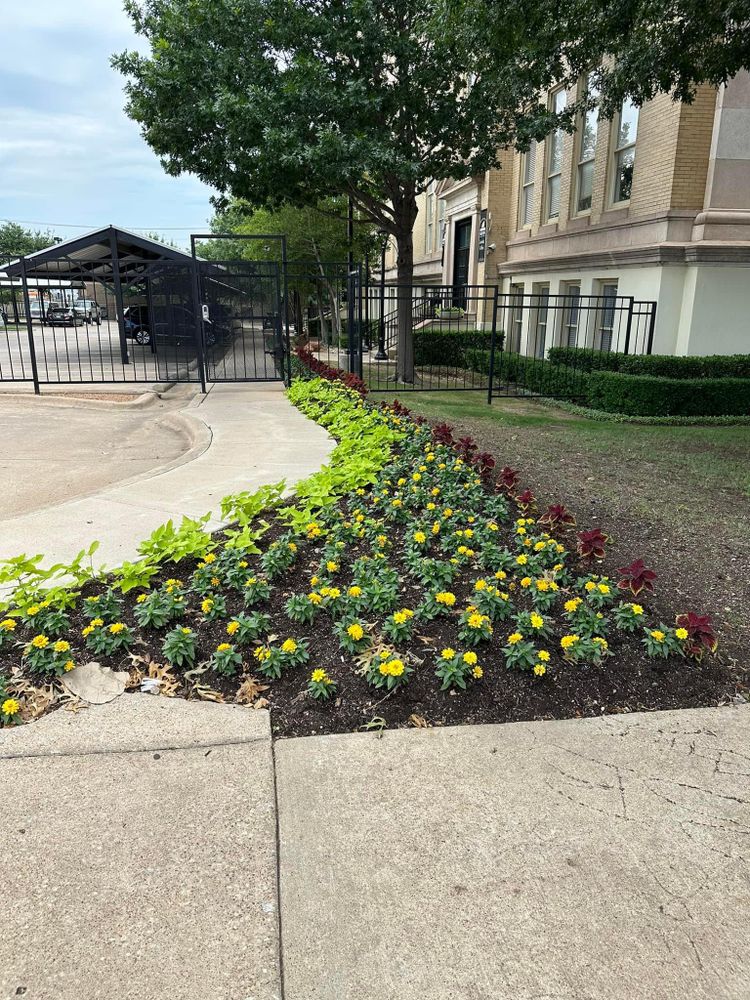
[
  {"x": 72, "y": 313},
  {"x": 169, "y": 323}
]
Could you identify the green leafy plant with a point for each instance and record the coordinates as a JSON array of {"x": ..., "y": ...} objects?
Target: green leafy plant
[
  {"x": 321, "y": 686},
  {"x": 246, "y": 628},
  {"x": 105, "y": 639},
  {"x": 44, "y": 656},
  {"x": 226, "y": 660},
  {"x": 179, "y": 647},
  {"x": 455, "y": 669}
]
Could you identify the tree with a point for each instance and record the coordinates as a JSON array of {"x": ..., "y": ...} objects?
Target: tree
[
  {"x": 288, "y": 100},
  {"x": 316, "y": 241},
  {"x": 284, "y": 100},
  {"x": 15, "y": 241}
]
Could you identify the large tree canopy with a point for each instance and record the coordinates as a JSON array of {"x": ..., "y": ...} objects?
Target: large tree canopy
[{"x": 288, "y": 100}]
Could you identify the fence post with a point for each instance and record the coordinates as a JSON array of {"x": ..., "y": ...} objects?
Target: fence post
[
  {"x": 119, "y": 305},
  {"x": 492, "y": 344},
  {"x": 198, "y": 310},
  {"x": 651, "y": 326},
  {"x": 629, "y": 326},
  {"x": 29, "y": 326},
  {"x": 285, "y": 293}
]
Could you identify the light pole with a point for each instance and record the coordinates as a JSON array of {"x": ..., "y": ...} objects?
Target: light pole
[{"x": 381, "y": 355}]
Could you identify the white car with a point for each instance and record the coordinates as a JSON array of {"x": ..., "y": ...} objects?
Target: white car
[{"x": 80, "y": 311}]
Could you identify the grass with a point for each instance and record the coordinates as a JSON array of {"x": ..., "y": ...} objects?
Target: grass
[{"x": 706, "y": 457}]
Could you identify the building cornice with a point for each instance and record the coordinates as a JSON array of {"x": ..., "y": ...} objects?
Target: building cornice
[{"x": 659, "y": 255}]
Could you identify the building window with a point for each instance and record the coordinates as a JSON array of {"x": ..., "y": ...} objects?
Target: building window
[
  {"x": 429, "y": 228},
  {"x": 515, "y": 318},
  {"x": 528, "y": 166},
  {"x": 606, "y": 317},
  {"x": 587, "y": 149},
  {"x": 540, "y": 306},
  {"x": 571, "y": 315},
  {"x": 554, "y": 158},
  {"x": 627, "y": 131}
]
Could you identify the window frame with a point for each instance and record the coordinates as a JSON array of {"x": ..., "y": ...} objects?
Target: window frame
[
  {"x": 529, "y": 185},
  {"x": 429, "y": 227},
  {"x": 580, "y": 161},
  {"x": 618, "y": 150},
  {"x": 558, "y": 135},
  {"x": 571, "y": 308}
]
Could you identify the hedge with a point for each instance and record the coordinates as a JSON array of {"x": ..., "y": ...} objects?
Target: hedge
[
  {"x": 659, "y": 365},
  {"x": 618, "y": 392},
  {"x": 451, "y": 348}
]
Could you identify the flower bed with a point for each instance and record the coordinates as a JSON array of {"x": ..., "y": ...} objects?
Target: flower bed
[{"x": 409, "y": 583}]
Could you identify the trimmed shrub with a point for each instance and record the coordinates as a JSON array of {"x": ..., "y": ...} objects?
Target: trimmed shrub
[
  {"x": 646, "y": 395},
  {"x": 658, "y": 365},
  {"x": 451, "y": 348}
]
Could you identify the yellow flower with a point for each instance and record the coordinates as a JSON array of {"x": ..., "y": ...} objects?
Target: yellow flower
[
  {"x": 514, "y": 638},
  {"x": 448, "y": 653},
  {"x": 658, "y": 635},
  {"x": 97, "y": 622},
  {"x": 289, "y": 646},
  {"x": 397, "y": 503},
  {"x": 681, "y": 633},
  {"x": 355, "y": 631},
  {"x": 261, "y": 653},
  {"x": 542, "y": 586},
  {"x": 209, "y": 557},
  {"x": 603, "y": 588},
  {"x": 501, "y": 575},
  {"x": 590, "y": 585},
  {"x": 526, "y": 581},
  {"x": 232, "y": 628},
  {"x": 539, "y": 546},
  {"x": 186, "y": 631},
  {"x": 573, "y": 604},
  {"x": 319, "y": 676},
  {"x": 521, "y": 531},
  {"x": 416, "y": 477},
  {"x": 10, "y": 707},
  {"x": 243, "y": 564},
  {"x": 355, "y": 591},
  {"x": 207, "y": 605},
  {"x": 522, "y": 559},
  {"x": 480, "y": 585},
  {"x": 332, "y": 566},
  {"x": 470, "y": 658},
  {"x": 8, "y": 625},
  {"x": 68, "y": 666},
  {"x": 141, "y": 598},
  {"x": 445, "y": 597},
  {"x": 569, "y": 640},
  {"x": 543, "y": 655},
  {"x": 636, "y": 609},
  {"x": 393, "y": 667},
  {"x": 539, "y": 670},
  {"x": 40, "y": 642},
  {"x": 173, "y": 583},
  {"x": 292, "y": 546},
  {"x": 215, "y": 581},
  {"x": 117, "y": 628},
  {"x": 419, "y": 537},
  {"x": 477, "y": 673},
  {"x": 87, "y": 631},
  {"x": 61, "y": 646},
  {"x": 333, "y": 593},
  {"x": 475, "y": 620},
  {"x": 536, "y": 620},
  {"x": 600, "y": 641},
  {"x": 33, "y": 610}
]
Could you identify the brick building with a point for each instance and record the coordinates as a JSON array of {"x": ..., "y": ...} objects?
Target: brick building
[{"x": 654, "y": 204}]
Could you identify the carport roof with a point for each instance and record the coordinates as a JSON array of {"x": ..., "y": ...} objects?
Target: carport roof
[{"x": 90, "y": 255}]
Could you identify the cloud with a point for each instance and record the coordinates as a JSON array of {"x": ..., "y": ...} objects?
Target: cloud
[{"x": 68, "y": 153}]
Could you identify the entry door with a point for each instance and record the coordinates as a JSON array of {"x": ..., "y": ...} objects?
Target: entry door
[{"x": 461, "y": 251}]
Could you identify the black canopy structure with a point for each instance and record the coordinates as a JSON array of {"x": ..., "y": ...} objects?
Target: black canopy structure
[{"x": 115, "y": 257}]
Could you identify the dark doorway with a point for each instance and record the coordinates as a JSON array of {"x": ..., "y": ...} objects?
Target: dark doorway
[{"x": 461, "y": 251}]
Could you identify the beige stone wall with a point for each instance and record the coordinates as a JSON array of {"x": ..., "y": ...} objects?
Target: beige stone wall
[{"x": 693, "y": 149}]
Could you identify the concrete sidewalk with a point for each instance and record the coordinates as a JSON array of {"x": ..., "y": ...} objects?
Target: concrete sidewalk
[
  {"x": 139, "y": 854},
  {"x": 597, "y": 859},
  {"x": 251, "y": 434}
]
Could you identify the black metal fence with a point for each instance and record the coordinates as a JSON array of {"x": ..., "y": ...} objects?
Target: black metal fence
[
  {"x": 143, "y": 321},
  {"x": 437, "y": 338}
]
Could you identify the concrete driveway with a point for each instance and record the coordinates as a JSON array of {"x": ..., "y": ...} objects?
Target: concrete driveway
[{"x": 58, "y": 449}]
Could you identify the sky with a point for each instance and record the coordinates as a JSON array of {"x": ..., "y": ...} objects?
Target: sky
[{"x": 70, "y": 158}]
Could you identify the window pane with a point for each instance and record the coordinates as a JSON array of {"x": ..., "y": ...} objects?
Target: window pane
[
  {"x": 628, "y": 129},
  {"x": 624, "y": 174},
  {"x": 553, "y": 197},
  {"x": 555, "y": 152},
  {"x": 588, "y": 134},
  {"x": 527, "y": 212},
  {"x": 529, "y": 162},
  {"x": 559, "y": 101},
  {"x": 585, "y": 185}
]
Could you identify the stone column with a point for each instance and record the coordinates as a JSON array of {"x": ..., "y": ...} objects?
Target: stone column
[{"x": 726, "y": 209}]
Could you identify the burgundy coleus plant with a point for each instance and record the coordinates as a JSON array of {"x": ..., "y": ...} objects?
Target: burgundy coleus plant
[
  {"x": 556, "y": 513},
  {"x": 591, "y": 544},
  {"x": 442, "y": 434},
  {"x": 701, "y": 637},
  {"x": 466, "y": 447},
  {"x": 508, "y": 479},
  {"x": 525, "y": 501},
  {"x": 484, "y": 463},
  {"x": 399, "y": 409},
  {"x": 636, "y": 577}
]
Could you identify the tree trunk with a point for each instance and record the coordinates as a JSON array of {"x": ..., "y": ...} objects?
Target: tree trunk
[{"x": 405, "y": 291}]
